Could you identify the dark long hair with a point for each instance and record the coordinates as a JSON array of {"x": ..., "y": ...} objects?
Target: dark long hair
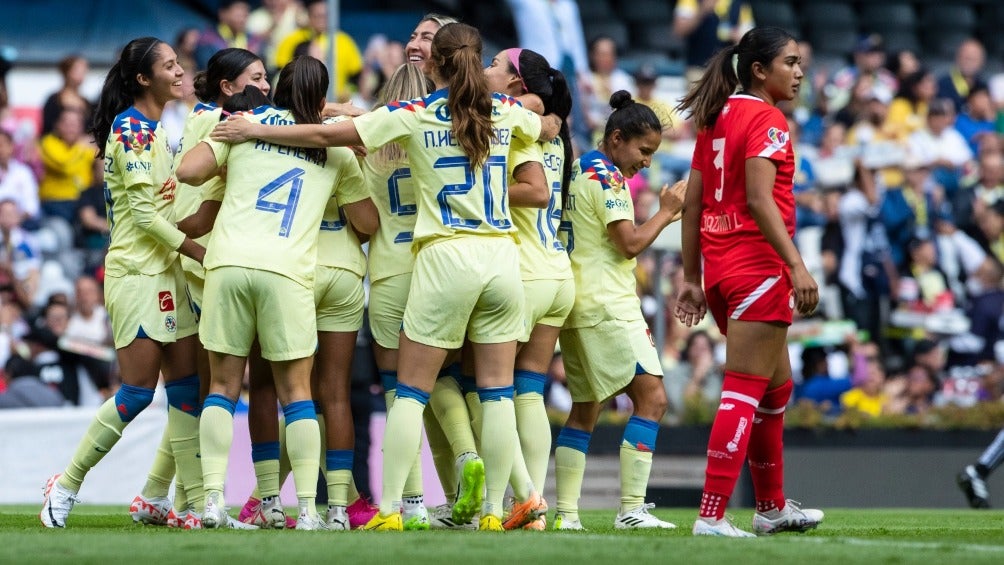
[
  {"x": 549, "y": 84},
  {"x": 121, "y": 87},
  {"x": 708, "y": 96},
  {"x": 300, "y": 89},
  {"x": 631, "y": 118},
  {"x": 248, "y": 99},
  {"x": 225, "y": 64},
  {"x": 456, "y": 56}
]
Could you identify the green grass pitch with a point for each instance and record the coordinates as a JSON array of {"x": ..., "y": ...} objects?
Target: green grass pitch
[{"x": 106, "y": 535}]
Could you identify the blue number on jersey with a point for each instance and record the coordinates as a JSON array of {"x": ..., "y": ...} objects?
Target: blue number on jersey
[
  {"x": 496, "y": 161},
  {"x": 396, "y": 207},
  {"x": 335, "y": 225},
  {"x": 550, "y": 218},
  {"x": 449, "y": 219},
  {"x": 293, "y": 177},
  {"x": 109, "y": 207},
  {"x": 566, "y": 228}
]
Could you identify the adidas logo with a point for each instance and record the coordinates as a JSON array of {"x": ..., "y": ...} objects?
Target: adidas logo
[{"x": 631, "y": 521}]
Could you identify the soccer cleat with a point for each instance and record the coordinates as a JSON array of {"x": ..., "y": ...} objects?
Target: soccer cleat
[
  {"x": 215, "y": 515},
  {"x": 380, "y": 523},
  {"x": 471, "y": 490},
  {"x": 151, "y": 511},
  {"x": 791, "y": 518},
  {"x": 248, "y": 509},
  {"x": 522, "y": 513},
  {"x": 337, "y": 518},
  {"x": 192, "y": 521},
  {"x": 310, "y": 523},
  {"x": 490, "y": 523},
  {"x": 361, "y": 512},
  {"x": 234, "y": 524},
  {"x": 267, "y": 515},
  {"x": 176, "y": 520},
  {"x": 974, "y": 487},
  {"x": 416, "y": 518},
  {"x": 640, "y": 518},
  {"x": 441, "y": 518},
  {"x": 538, "y": 525},
  {"x": 57, "y": 502},
  {"x": 563, "y": 523},
  {"x": 723, "y": 528}
]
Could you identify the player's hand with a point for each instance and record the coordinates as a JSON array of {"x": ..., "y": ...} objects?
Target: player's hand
[
  {"x": 333, "y": 109},
  {"x": 233, "y": 130},
  {"x": 806, "y": 290},
  {"x": 359, "y": 150},
  {"x": 671, "y": 199},
  {"x": 691, "y": 304}
]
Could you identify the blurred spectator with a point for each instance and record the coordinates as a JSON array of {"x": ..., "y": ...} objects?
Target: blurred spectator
[
  {"x": 381, "y": 58},
  {"x": 908, "y": 111},
  {"x": 869, "y": 58},
  {"x": 923, "y": 286},
  {"x": 817, "y": 384},
  {"x": 978, "y": 118},
  {"x": 832, "y": 164},
  {"x": 230, "y": 31},
  {"x": 667, "y": 167},
  {"x": 810, "y": 106},
  {"x": 902, "y": 64},
  {"x": 17, "y": 182},
  {"x": 941, "y": 145},
  {"x": 986, "y": 306},
  {"x": 868, "y": 394},
  {"x": 274, "y": 20},
  {"x": 185, "y": 45},
  {"x": 68, "y": 158},
  {"x": 53, "y": 367},
  {"x": 176, "y": 111},
  {"x": 89, "y": 330},
  {"x": 92, "y": 216},
  {"x": 917, "y": 392},
  {"x": 558, "y": 396},
  {"x": 19, "y": 260},
  {"x": 348, "y": 62},
  {"x": 866, "y": 268},
  {"x": 707, "y": 26},
  {"x": 22, "y": 130},
  {"x": 25, "y": 386},
  {"x": 911, "y": 211},
  {"x": 553, "y": 28},
  {"x": 965, "y": 75},
  {"x": 697, "y": 378},
  {"x": 607, "y": 78},
  {"x": 880, "y": 151},
  {"x": 991, "y": 224},
  {"x": 808, "y": 201},
  {"x": 74, "y": 70}
]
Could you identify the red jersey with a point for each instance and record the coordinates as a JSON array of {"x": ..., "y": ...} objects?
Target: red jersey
[{"x": 731, "y": 242}]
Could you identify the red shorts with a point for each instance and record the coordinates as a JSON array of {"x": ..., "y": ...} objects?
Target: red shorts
[{"x": 752, "y": 298}]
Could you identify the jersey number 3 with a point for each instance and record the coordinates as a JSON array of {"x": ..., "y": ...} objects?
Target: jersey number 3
[{"x": 718, "y": 146}]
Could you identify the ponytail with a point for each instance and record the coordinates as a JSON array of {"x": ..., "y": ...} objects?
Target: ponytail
[
  {"x": 456, "y": 56},
  {"x": 121, "y": 87},
  {"x": 707, "y": 98},
  {"x": 300, "y": 89}
]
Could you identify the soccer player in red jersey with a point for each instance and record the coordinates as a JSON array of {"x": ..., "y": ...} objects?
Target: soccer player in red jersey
[{"x": 739, "y": 213}]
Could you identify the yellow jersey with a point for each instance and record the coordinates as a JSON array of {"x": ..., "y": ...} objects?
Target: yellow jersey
[
  {"x": 541, "y": 253},
  {"x": 392, "y": 190}
]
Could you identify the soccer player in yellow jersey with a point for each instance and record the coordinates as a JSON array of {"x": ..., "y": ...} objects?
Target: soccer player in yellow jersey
[
  {"x": 544, "y": 264},
  {"x": 260, "y": 274},
  {"x": 152, "y": 320},
  {"x": 605, "y": 342},
  {"x": 465, "y": 281}
]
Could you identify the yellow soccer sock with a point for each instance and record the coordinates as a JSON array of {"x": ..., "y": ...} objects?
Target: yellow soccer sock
[
  {"x": 338, "y": 475},
  {"x": 569, "y": 468},
  {"x": 303, "y": 442},
  {"x": 413, "y": 485},
  {"x": 184, "y": 430},
  {"x": 265, "y": 458},
  {"x": 454, "y": 418},
  {"x": 216, "y": 434},
  {"x": 104, "y": 432},
  {"x": 473, "y": 408},
  {"x": 498, "y": 444},
  {"x": 519, "y": 478},
  {"x": 442, "y": 456},
  {"x": 180, "y": 498},
  {"x": 534, "y": 436},
  {"x": 402, "y": 438},
  {"x": 158, "y": 480},
  {"x": 636, "y": 461}
]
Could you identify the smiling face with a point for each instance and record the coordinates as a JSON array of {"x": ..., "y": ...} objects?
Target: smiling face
[
  {"x": 782, "y": 77},
  {"x": 501, "y": 78},
  {"x": 254, "y": 74},
  {"x": 419, "y": 47},
  {"x": 632, "y": 155},
  {"x": 165, "y": 82}
]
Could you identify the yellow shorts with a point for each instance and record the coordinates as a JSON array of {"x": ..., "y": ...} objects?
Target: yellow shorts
[
  {"x": 469, "y": 287},
  {"x": 196, "y": 289},
  {"x": 339, "y": 298},
  {"x": 388, "y": 298},
  {"x": 601, "y": 360},
  {"x": 548, "y": 303},
  {"x": 152, "y": 306},
  {"x": 243, "y": 303}
]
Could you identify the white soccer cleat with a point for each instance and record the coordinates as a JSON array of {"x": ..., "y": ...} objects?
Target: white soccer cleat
[
  {"x": 722, "y": 528},
  {"x": 338, "y": 518},
  {"x": 416, "y": 518},
  {"x": 441, "y": 518},
  {"x": 563, "y": 523},
  {"x": 268, "y": 514},
  {"x": 56, "y": 504},
  {"x": 215, "y": 515},
  {"x": 154, "y": 511},
  {"x": 235, "y": 524},
  {"x": 310, "y": 523},
  {"x": 640, "y": 518},
  {"x": 791, "y": 518}
]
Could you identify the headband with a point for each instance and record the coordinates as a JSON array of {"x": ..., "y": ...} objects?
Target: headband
[{"x": 513, "y": 54}]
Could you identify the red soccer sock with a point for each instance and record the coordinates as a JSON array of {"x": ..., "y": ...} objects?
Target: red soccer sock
[
  {"x": 766, "y": 449},
  {"x": 729, "y": 438}
]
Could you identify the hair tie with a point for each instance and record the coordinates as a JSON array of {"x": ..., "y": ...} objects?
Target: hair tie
[{"x": 513, "y": 53}]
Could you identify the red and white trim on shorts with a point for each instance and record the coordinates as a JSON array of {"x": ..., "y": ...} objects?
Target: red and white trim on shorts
[{"x": 761, "y": 290}]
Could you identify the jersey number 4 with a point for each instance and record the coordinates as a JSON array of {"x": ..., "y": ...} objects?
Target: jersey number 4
[{"x": 294, "y": 178}]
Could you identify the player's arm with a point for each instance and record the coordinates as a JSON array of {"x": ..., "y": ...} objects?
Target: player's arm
[
  {"x": 140, "y": 198},
  {"x": 363, "y": 216},
  {"x": 760, "y": 175},
  {"x": 198, "y": 165},
  {"x": 339, "y": 134},
  {"x": 201, "y": 222},
  {"x": 630, "y": 240},
  {"x": 530, "y": 187},
  {"x": 532, "y": 102},
  {"x": 691, "y": 228},
  {"x": 550, "y": 126}
]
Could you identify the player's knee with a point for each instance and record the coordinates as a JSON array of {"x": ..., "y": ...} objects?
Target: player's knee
[{"x": 131, "y": 400}]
